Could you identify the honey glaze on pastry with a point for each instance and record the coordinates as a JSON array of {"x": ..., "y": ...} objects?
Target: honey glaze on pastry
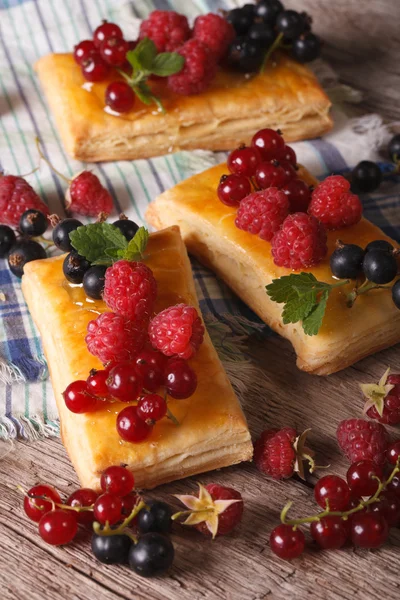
[{"x": 212, "y": 431}]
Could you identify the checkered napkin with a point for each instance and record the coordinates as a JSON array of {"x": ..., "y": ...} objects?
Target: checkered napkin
[{"x": 33, "y": 28}]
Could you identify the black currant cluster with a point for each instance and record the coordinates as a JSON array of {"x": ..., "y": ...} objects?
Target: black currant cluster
[
  {"x": 152, "y": 554},
  {"x": 76, "y": 268},
  {"x": 367, "y": 176},
  {"x": 19, "y": 247},
  {"x": 265, "y": 26}
]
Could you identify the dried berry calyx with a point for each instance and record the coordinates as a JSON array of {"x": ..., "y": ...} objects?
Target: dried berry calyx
[{"x": 377, "y": 392}]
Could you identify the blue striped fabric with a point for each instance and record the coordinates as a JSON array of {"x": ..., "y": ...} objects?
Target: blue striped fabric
[{"x": 32, "y": 28}]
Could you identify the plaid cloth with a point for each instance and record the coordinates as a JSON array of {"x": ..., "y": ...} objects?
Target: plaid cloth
[{"x": 32, "y": 28}]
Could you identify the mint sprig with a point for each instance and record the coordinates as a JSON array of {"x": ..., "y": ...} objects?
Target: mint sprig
[
  {"x": 145, "y": 61},
  {"x": 104, "y": 244}
]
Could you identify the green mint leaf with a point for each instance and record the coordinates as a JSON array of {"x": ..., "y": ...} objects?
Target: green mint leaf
[
  {"x": 297, "y": 309},
  {"x": 137, "y": 245},
  {"x": 312, "y": 323},
  {"x": 114, "y": 236},
  {"x": 142, "y": 57},
  {"x": 103, "y": 260},
  {"x": 282, "y": 289},
  {"x": 94, "y": 240},
  {"x": 167, "y": 63},
  {"x": 143, "y": 92}
]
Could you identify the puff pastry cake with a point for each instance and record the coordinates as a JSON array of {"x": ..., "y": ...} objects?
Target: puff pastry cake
[
  {"x": 286, "y": 96},
  {"x": 212, "y": 433},
  {"x": 245, "y": 263}
]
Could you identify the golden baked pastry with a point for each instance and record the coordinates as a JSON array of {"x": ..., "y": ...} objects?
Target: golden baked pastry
[
  {"x": 212, "y": 433},
  {"x": 245, "y": 263},
  {"x": 286, "y": 96}
]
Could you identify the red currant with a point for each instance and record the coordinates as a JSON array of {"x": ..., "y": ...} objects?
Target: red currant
[
  {"x": 129, "y": 502},
  {"x": 78, "y": 399},
  {"x": 97, "y": 383},
  {"x": 393, "y": 452},
  {"x": 125, "y": 382},
  {"x": 58, "y": 527},
  {"x": 288, "y": 154},
  {"x": 117, "y": 480},
  {"x": 151, "y": 365},
  {"x": 131, "y": 427},
  {"x": 270, "y": 174},
  {"x": 330, "y": 532},
  {"x": 286, "y": 542},
  {"x": 120, "y": 97},
  {"x": 83, "y": 497},
  {"x": 35, "y": 508},
  {"x": 394, "y": 485},
  {"x": 180, "y": 379},
  {"x": 94, "y": 68},
  {"x": 151, "y": 408},
  {"x": 113, "y": 50},
  {"x": 361, "y": 478},
  {"x": 289, "y": 170},
  {"x": 388, "y": 507},
  {"x": 244, "y": 161},
  {"x": 105, "y": 31},
  {"x": 299, "y": 195},
  {"x": 269, "y": 143},
  {"x": 333, "y": 489},
  {"x": 84, "y": 50},
  {"x": 108, "y": 508},
  {"x": 368, "y": 530},
  {"x": 233, "y": 188}
]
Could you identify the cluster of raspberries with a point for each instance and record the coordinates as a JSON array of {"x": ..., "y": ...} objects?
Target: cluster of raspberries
[
  {"x": 130, "y": 291},
  {"x": 203, "y": 47}
]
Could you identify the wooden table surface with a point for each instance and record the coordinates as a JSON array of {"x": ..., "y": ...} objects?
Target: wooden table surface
[{"x": 241, "y": 565}]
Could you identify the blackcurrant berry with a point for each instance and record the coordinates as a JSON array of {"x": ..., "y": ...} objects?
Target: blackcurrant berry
[
  {"x": 379, "y": 266},
  {"x": 366, "y": 176},
  {"x": 394, "y": 148},
  {"x": 152, "y": 555},
  {"x": 245, "y": 55},
  {"x": 290, "y": 23},
  {"x": 306, "y": 48},
  {"x": 74, "y": 267},
  {"x": 7, "y": 239},
  {"x": 22, "y": 252},
  {"x": 268, "y": 10},
  {"x": 155, "y": 518},
  {"x": 61, "y": 233},
  {"x": 262, "y": 33},
  {"x": 346, "y": 261},
  {"x": 241, "y": 18},
  {"x": 396, "y": 293},
  {"x": 93, "y": 281},
  {"x": 111, "y": 549},
  {"x": 33, "y": 222},
  {"x": 379, "y": 245},
  {"x": 127, "y": 227}
]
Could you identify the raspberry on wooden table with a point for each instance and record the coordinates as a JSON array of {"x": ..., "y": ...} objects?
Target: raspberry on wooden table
[
  {"x": 167, "y": 29},
  {"x": 86, "y": 195},
  {"x": 17, "y": 196},
  {"x": 263, "y": 212},
  {"x": 177, "y": 331},
  {"x": 274, "y": 454},
  {"x": 301, "y": 242},
  {"x": 198, "y": 71},
  {"x": 363, "y": 440},
  {"x": 215, "y": 32},
  {"x": 334, "y": 205},
  {"x": 383, "y": 399},
  {"x": 112, "y": 337}
]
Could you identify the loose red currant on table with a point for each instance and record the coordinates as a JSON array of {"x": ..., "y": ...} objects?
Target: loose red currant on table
[
  {"x": 125, "y": 382},
  {"x": 151, "y": 408},
  {"x": 117, "y": 480},
  {"x": 269, "y": 143},
  {"x": 270, "y": 174},
  {"x": 330, "y": 532},
  {"x": 244, "y": 161},
  {"x": 393, "y": 452},
  {"x": 35, "y": 508},
  {"x": 105, "y": 31},
  {"x": 94, "y": 68},
  {"x": 84, "y": 50},
  {"x": 151, "y": 364},
  {"x": 180, "y": 379},
  {"x": 363, "y": 477},
  {"x": 299, "y": 195},
  {"x": 131, "y": 427},
  {"x": 108, "y": 508},
  {"x": 113, "y": 50},
  {"x": 334, "y": 491},
  {"x": 233, "y": 188},
  {"x": 287, "y": 542},
  {"x": 177, "y": 330},
  {"x": 80, "y": 498},
  {"x": 368, "y": 530},
  {"x": 97, "y": 383},
  {"x": 120, "y": 97},
  {"x": 388, "y": 507},
  {"x": 78, "y": 399},
  {"x": 58, "y": 527}
]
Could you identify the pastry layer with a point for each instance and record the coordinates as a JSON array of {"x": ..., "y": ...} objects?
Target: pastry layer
[
  {"x": 286, "y": 96},
  {"x": 212, "y": 433},
  {"x": 245, "y": 263}
]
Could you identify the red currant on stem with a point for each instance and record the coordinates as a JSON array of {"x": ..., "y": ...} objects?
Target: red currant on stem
[
  {"x": 363, "y": 478},
  {"x": 330, "y": 533},
  {"x": 97, "y": 383},
  {"x": 84, "y": 497},
  {"x": 287, "y": 542},
  {"x": 58, "y": 527},
  {"x": 36, "y": 507},
  {"x": 233, "y": 188},
  {"x": 244, "y": 161},
  {"x": 131, "y": 427},
  {"x": 269, "y": 143},
  {"x": 125, "y": 382},
  {"x": 78, "y": 399},
  {"x": 151, "y": 365},
  {"x": 368, "y": 530},
  {"x": 117, "y": 480},
  {"x": 120, "y": 97},
  {"x": 388, "y": 507},
  {"x": 333, "y": 490},
  {"x": 94, "y": 68},
  {"x": 84, "y": 50},
  {"x": 129, "y": 502},
  {"x": 108, "y": 509},
  {"x": 151, "y": 408},
  {"x": 393, "y": 452},
  {"x": 180, "y": 379},
  {"x": 113, "y": 50},
  {"x": 105, "y": 31}
]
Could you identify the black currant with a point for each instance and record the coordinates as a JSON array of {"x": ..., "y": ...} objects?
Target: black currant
[
  {"x": 396, "y": 293},
  {"x": 22, "y": 252},
  {"x": 291, "y": 23},
  {"x": 380, "y": 266},
  {"x": 268, "y": 10},
  {"x": 245, "y": 55},
  {"x": 263, "y": 34},
  {"x": 33, "y": 222},
  {"x": 241, "y": 18},
  {"x": 75, "y": 267},
  {"x": 93, "y": 281},
  {"x": 127, "y": 227},
  {"x": 152, "y": 555},
  {"x": 394, "y": 148},
  {"x": 346, "y": 261},
  {"x": 306, "y": 48},
  {"x": 366, "y": 176},
  {"x": 7, "y": 239},
  {"x": 111, "y": 549},
  {"x": 379, "y": 245},
  {"x": 157, "y": 518},
  {"x": 61, "y": 233}
]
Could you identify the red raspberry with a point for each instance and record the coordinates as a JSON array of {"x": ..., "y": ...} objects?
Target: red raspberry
[
  {"x": 177, "y": 331},
  {"x": 215, "y": 32},
  {"x": 363, "y": 440},
  {"x": 166, "y": 28},
  {"x": 111, "y": 337},
  {"x": 231, "y": 516},
  {"x": 86, "y": 195},
  {"x": 334, "y": 205},
  {"x": 16, "y": 196},
  {"x": 197, "y": 72},
  {"x": 130, "y": 290},
  {"x": 262, "y": 213},
  {"x": 274, "y": 453},
  {"x": 383, "y": 402},
  {"x": 301, "y": 242}
]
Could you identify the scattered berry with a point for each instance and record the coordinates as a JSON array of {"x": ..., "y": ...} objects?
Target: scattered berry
[
  {"x": 394, "y": 486},
  {"x": 180, "y": 379},
  {"x": 362, "y": 478},
  {"x": 58, "y": 527},
  {"x": 379, "y": 245},
  {"x": 334, "y": 205},
  {"x": 117, "y": 480},
  {"x": 61, "y": 233},
  {"x": 268, "y": 10},
  {"x": 129, "y": 502},
  {"x": 94, "y": 68},
  {"x": 366, "y": 176},
  {"x": 380, "y": 266},
  {"x": 80, "y": 498},
  {"x": 33, "y": 222},
  {"x": 131, "y": 427},
  {"x": 151, "y": 408},
  {"x": 330, "y": 532},
  {"x": 233, "y": 188},
  {"x": 17, "y": 196},
  {"x": 84, "y": 50},
  {"x": 120, "y": 97},
  {"x": 241, "y": 18},
  {"x": 93, "y": 281},
  {"x": 108, "y": 508},
  {"x": 78, "y": 398},
  {"x": 306, "y": 48},
  {"x": 383, "y": 399},
  {"x": 177, "y": 331},
  {"x": 333, "y": 491},
  {"x": 87, "y": 196},
  {"x": 215, "y": 32},
  {"x": 368, "y": 530},
  {"x": 127, "y": 227},
  {"x": 244, "y": 161},
  {"x": 7, "y": 240},
  {"x": 168, "y": 29},
  {"x": 105, "y": 31},
  {"x": 262, "y": 213},
  {"x": 22, "y": 252},
  {"x": 290, "y": 23},
  {"x": 152, "y": 555},
  {"x": 299, "y": 195},
  {"x": 35, "y": 508},
  {"x": 112, "y": 338},
  {"x": 388, "y": 507},
  {"x": 269, "y": 143},
  {"x": 198, "y": 71},
  {"x": 125, "y": 382},
  {"x": 156, "y": 517},
  {"x": 393, "y": 452},
  {"x": 286, "y": 542},
  {"x": 111, "y": 549},
  {"x": 75, "y": 267},
  {"x": 262, "y": 34},
  {"x": 363, "y": 440},
  {"x": 245, "y": 55},
  {"x": 301, "y": 242},
  {"x": 280, "y": 452},
  {"x": 346, "y": 261}
]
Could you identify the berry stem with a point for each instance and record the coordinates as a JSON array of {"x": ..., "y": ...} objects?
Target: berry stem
[
  {"x": 363, "y": 289},
  {"x": 107, "y": 530},
  {"x": 185, "y": 513},
  {"x": 42, "y": 156},
  {"x": 275, "y": 46},
  {"x": 54, "y": 504},
  {"x": 171, "y": 416},
  {"x": 43, "y": 240}
]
